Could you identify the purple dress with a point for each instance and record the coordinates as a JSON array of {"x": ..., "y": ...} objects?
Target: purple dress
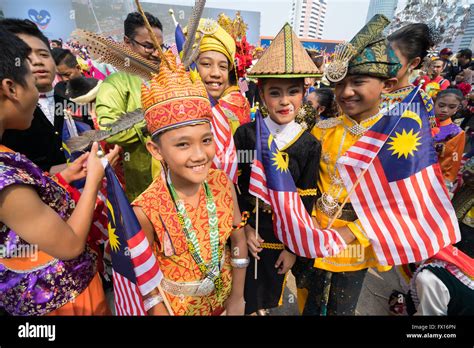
[
  {"x": 42, "y": 288},
  {"x": 447, "y": 132}
]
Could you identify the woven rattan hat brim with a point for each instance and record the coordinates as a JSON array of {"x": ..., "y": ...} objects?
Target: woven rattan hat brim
[{"x": 285, "y": 57}]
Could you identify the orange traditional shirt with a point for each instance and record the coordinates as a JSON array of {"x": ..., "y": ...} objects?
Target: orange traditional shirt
[{"x": 171, "y": 249}]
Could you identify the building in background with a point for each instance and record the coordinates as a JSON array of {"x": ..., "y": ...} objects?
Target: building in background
[
  {"x": 385, "y": 7},
  {"x": 452, "y": 20},
  {"x": 467, "y": 38},
  {"x": 58, "y": 18},
  {"x": 326, "y": 46},
  {"x": 307, "y": 18}
]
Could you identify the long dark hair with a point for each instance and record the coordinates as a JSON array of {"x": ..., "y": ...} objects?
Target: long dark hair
[
  {"x": 413, "y": 40},
  {"x": 326, "y": 99}
]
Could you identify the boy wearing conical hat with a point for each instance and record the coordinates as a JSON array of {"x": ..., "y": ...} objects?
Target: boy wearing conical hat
[
  {"x": 188, "y": 212},
  {"x": 368, "y": 71},
  {"x": 280, "y": 72},
  {"x": 216, "y": 66}
]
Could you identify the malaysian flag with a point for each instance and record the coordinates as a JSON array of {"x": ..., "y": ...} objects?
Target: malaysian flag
[
  {"x": 71, "y": 128},
  {"x": 226, "y": 153},
  {"x": 135, "y": 269},
  {"x": 271, "y": 181},
  {"x": 179, "y": 38},
  {"x": 399, "y": 195}
]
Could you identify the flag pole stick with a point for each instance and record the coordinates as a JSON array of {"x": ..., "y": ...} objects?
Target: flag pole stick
[
  {"x": 347, "y": 197},
  {"x": 171, "y": 13},
  {"x": 165, "y": 300},
  {"x": 256, "y": 233}
]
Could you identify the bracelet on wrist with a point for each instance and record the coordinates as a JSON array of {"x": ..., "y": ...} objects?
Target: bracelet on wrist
[
  {"x": 152, "y": 301},
  {"x": 245, "y": 217},
  {"x": 240, "y": 263}
]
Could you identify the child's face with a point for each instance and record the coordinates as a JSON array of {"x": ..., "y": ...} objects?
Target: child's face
[
  {"x": 66, "y": 73},
  {"x": 359, "y": 95},
  {"x": 188, "y": 152},
  {"x": 446, "y": 106},
  {"x": 313, "y": 100},
  {"x": 283, "y": 98},
  {"x": 436, "y": 68},
  {"x": 213, "y": 68},
  {"x": 42, "y": 62},
  {"x": 21, "y": 106},
  {"x": 460, "y": 77}
]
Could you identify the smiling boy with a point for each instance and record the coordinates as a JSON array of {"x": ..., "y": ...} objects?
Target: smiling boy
[
  {"x": 371, "y": 71},
  {"x": 216, "y": 65},
  {"x": 188, "y": 212}
]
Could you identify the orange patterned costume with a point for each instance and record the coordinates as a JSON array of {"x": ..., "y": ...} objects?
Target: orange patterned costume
[
  {"x": 236, "y": 107},
  {"x": 170, "y": 245}
]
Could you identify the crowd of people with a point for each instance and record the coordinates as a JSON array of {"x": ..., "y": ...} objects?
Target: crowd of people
[{"x": 216, "y": 244}]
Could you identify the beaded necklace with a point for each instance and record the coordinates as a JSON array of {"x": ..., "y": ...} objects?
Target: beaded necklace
[{"x": 210, "y": 271}]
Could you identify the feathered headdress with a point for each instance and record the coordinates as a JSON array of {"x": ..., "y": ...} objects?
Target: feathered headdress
[
  {"x": 167, "y": 82},
  {"x": 237, "y": 28}
]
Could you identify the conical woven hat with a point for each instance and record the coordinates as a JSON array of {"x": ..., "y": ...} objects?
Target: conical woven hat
[{"x": 285, "y": 58}]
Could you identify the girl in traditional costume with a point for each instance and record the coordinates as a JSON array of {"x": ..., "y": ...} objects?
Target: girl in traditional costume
[
  {"x": 281, "y": 72},
  {"x": 449, "y": 138},
  {"x": 216, "y": 65},
  {"x": 188, "y": 213},
  {"x": 411, "y": 44},
  {"x": 46, "y": 267}
]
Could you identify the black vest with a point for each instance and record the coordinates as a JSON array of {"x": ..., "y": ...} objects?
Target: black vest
[
  {"x": 42, "y": 142},
  {"x": 462, "y": 297}
]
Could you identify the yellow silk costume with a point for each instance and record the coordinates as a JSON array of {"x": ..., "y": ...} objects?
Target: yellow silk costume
[{"x": 336, "y": 139}]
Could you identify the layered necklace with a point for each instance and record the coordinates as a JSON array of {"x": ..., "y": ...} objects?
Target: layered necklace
[
  {"x": 211, "y": 271},
  {"x": 328, "y": 203}
]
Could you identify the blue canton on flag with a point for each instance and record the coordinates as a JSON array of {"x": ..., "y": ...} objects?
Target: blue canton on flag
[
  {"x": 271, "y": 181},
  {"x": 398, "y": 191},
  {"x": 135, "y": 269}
]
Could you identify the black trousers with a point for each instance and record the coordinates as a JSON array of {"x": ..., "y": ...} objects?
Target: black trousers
[{"x": 342, "y": 292}]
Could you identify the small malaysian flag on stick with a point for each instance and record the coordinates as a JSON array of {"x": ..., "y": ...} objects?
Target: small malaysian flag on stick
[
  {"x": 226, "y": 153},
  {"x": 274, "y": 184},
  {"x": 135, "y": 269},
  {"x": 396, "y": 186}
]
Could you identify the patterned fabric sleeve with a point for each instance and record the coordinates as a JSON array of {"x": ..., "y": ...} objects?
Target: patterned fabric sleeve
[{"x": 15, "y": 169}]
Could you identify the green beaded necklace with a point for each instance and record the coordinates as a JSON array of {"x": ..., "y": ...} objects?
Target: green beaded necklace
[{"x": 211, "y": 272}]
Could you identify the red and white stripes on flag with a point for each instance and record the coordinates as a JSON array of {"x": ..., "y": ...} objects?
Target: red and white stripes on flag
[
  {"x": 174, "y": 50},
  {"x": 258, "y": 182},
  {"x": 293, "y": 225},
  {"x": 127, "y": 298},
  {"x": 147, "y": 270},
  {"x": 295, "y": 228},
  {"x": 363, "y": 152},
  {"x": 226, "y": 157},
  {"x": 408, "y": 220}
]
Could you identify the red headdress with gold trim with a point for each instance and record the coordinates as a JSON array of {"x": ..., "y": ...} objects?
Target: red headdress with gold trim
[{"x": 171, "y": 99}]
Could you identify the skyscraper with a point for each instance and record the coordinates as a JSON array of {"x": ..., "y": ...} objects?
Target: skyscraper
[
  {"x": 385, "y": 7},
  {"x": 307, "y": 18},
  {"x": 467, "y": 40}
]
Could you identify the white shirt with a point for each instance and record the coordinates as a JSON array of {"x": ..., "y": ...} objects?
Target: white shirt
[
  {"x": 433, "y": 294},
  {"x": 47, "y": 105},
  {"x": 282, "y": 133}
]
